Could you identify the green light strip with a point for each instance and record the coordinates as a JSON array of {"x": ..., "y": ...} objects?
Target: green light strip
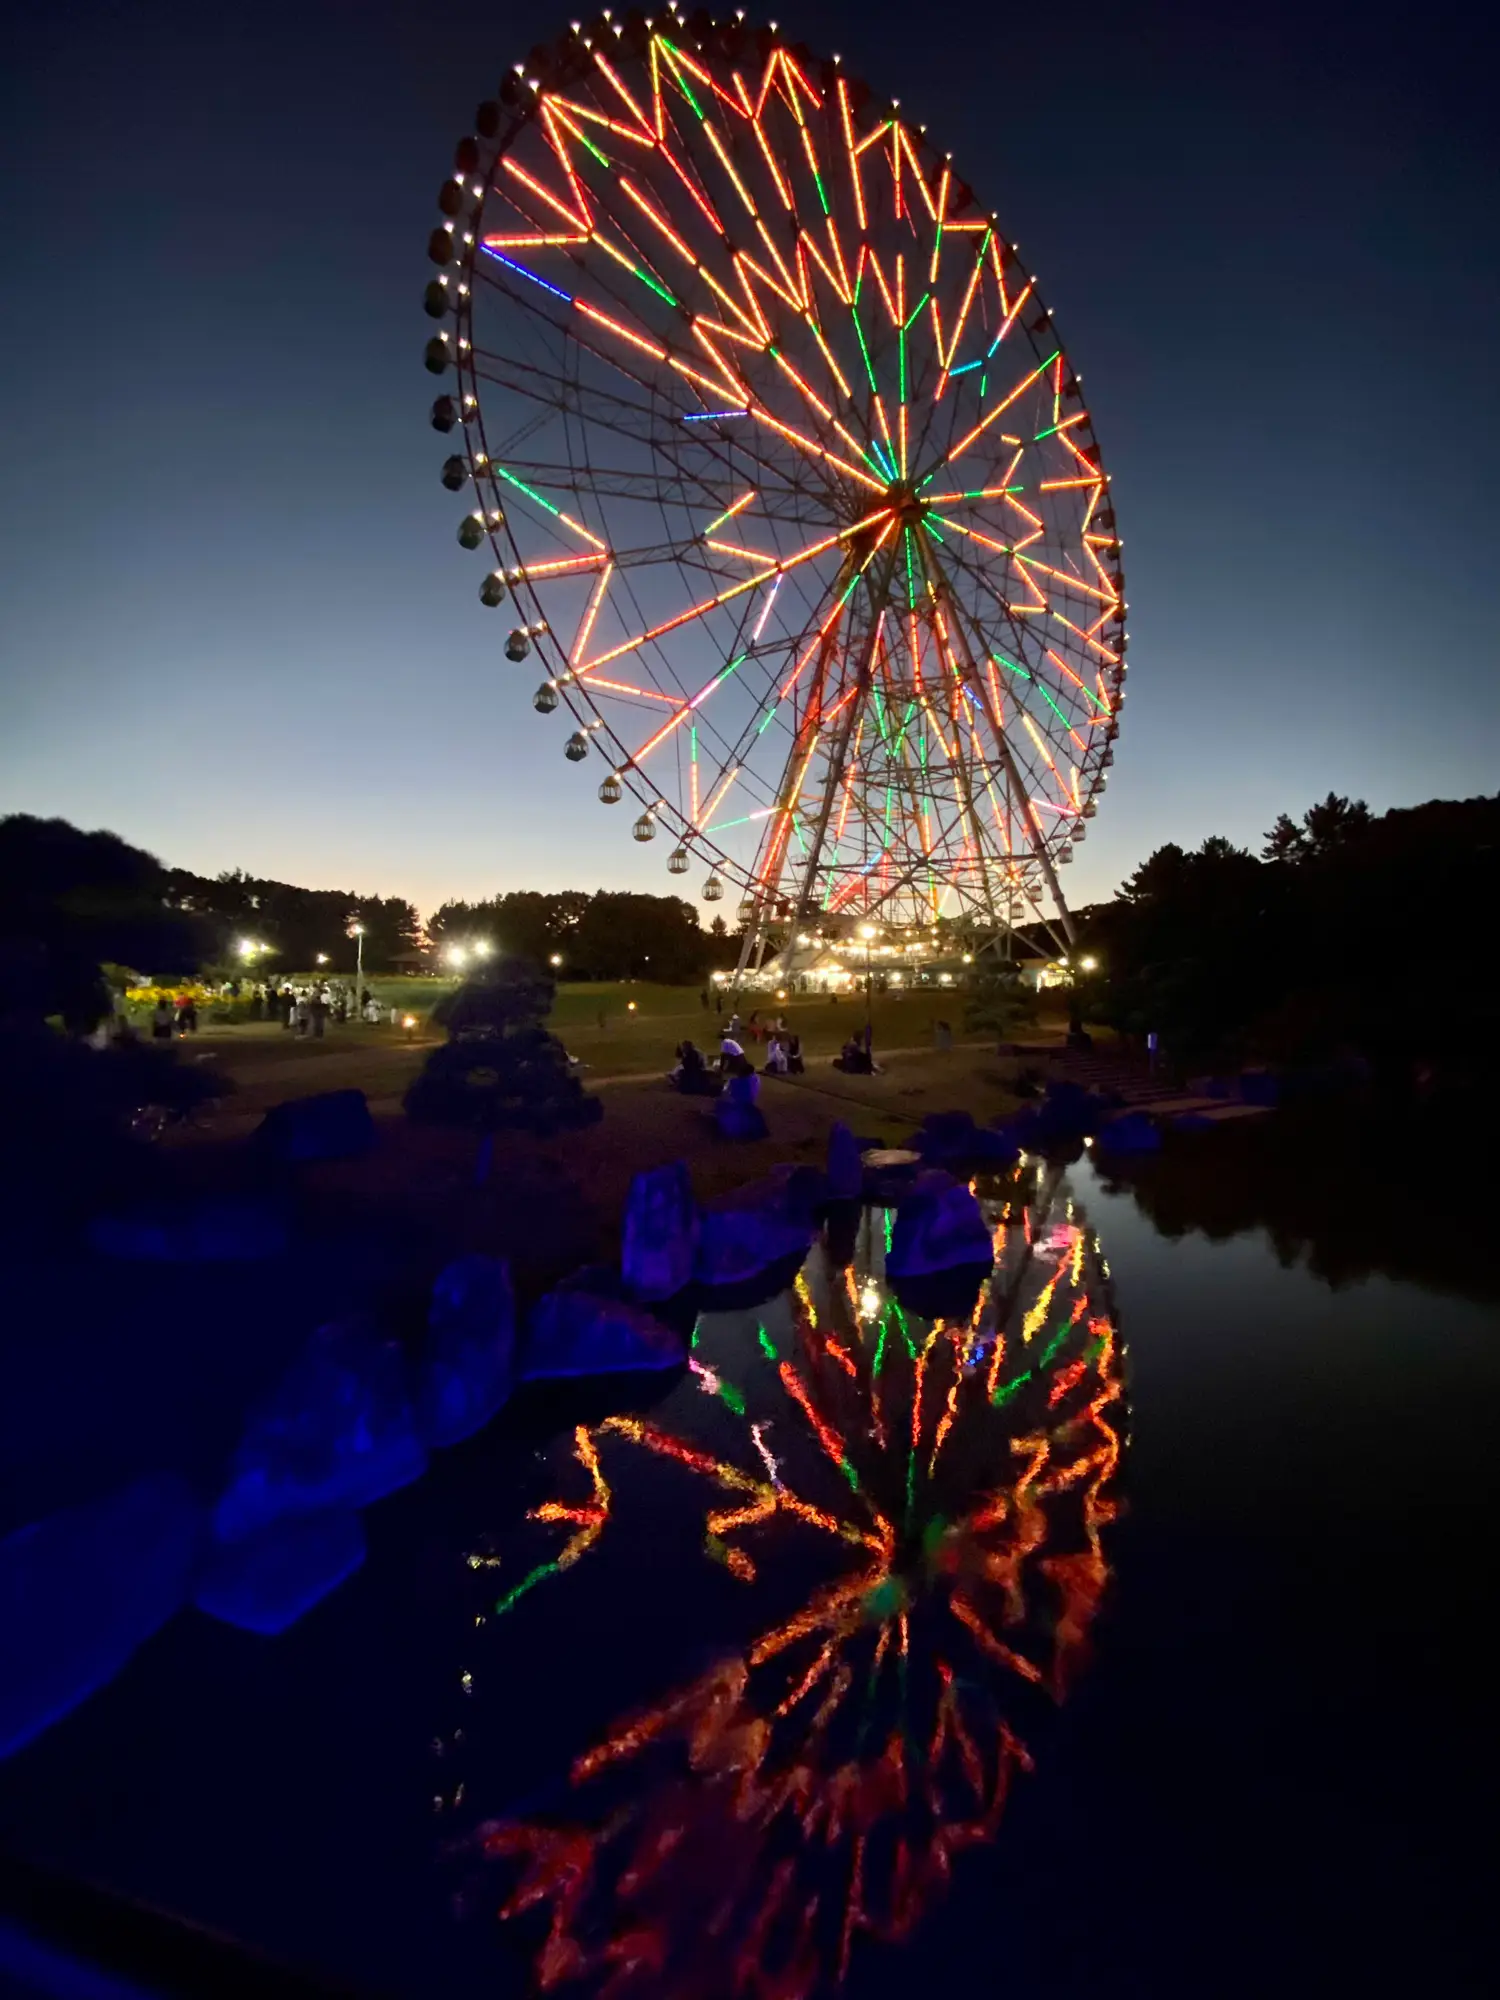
[
  {"x": 1041, "y": 690},
  {"x": 681, "y": 85},
  {"x": 916, "y": 309},
  {"x": 526, "y": 1583},
  {"x": 854, "y": 315},
  {"x": 1012, "y": 1388},
  {"x": 651, "y": 284},
  {"x": 530, "y": 492}
]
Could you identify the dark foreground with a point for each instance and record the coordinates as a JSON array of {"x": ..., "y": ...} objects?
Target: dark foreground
[{"x": 1118, "y": 1629}]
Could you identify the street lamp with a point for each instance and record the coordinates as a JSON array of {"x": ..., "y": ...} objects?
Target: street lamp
[
  {"x": 481, "y": 947},
  {"x": 555, "y": 960},
  {"x": 1089, "y": 964},
  {"x": 455, "y": 954},
  {"x": 867, "y": 932},
  {"x": 357, "y": 932},
  {"x": 322, "y": 958}
]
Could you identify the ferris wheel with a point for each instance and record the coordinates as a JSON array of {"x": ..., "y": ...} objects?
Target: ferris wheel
[{"x": 784, "y": 482}]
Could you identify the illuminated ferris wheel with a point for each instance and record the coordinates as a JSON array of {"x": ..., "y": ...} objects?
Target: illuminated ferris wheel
[{"x": 784, "y": 480}]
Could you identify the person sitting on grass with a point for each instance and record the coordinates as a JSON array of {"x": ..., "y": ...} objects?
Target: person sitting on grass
[
  {"x": 856, "y": 1059},
  {"x": 732, "y": 1059},
  {"x": 776, "y": 1057},
  {"x": 691, "y": 1073},
  {"x": 794, "y": 1063}
]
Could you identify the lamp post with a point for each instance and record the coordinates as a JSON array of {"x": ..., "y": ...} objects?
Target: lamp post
[
  {"x": 867, "y": 932},
  {"x": 359, "y": 965}
]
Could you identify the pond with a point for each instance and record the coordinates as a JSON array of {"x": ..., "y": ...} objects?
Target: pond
[{"x": 1114, "y": 1623}]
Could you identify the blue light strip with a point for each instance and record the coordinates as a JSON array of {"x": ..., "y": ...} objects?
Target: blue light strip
[{"x": 511, "y": 265}]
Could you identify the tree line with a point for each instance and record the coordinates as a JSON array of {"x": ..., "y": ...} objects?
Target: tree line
[
  {"x": 1349, "y": 933},
  {"x": 72, "y": 901}
]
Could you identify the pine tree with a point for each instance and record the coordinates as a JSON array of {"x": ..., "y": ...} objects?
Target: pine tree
[{"x": 499, "y": 1069}]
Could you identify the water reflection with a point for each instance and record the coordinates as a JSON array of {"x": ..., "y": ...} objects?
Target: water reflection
[{"x": 937, "y": 1487}]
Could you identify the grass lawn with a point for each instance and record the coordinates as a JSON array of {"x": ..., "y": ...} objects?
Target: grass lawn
[{"x": 596, "y": 1022}]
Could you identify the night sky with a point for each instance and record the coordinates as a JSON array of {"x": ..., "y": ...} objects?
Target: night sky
[{"x": 236, "y": 627}]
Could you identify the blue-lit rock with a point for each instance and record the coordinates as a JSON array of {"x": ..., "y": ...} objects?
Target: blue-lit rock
[
  {"x": 468, "y": 1361},
  {"x": 574, "y": 1332},
  {"x": 334, "y": 1125},
  {"x": 337, "y": 1431},
  {"x": 80, "y": 1590},
  {"x": 939, "y": 1227},
  {"x": 845, "y": 1168},
  {"x": 752, "y": 1229},
  {"x": 270, "y": 1580},
  {"x": 660, "y": 1233},
  {"x": 1132, "y": 1132}
]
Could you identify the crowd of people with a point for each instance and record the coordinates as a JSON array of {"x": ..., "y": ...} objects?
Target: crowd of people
[
  {"x": 303, "y": 1007},
  {"x": 696, "y": 1075}
]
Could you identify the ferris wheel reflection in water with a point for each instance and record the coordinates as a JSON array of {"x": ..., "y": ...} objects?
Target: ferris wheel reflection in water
[{"x": 947, "y": 1481}]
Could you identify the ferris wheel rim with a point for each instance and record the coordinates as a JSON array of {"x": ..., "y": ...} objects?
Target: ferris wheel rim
[{"x": 656, "y": 803}]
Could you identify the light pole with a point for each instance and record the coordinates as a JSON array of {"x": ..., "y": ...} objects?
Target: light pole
[
  {"x": 359, "y": 965},
  {"x": 867, "y": 932}
]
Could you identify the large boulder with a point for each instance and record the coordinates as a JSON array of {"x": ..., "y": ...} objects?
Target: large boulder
[
  {"x": 333, "y": 1125},
  {"x": 735, "y": 1119},
  {"x": 574, "y": 1331},
  {"x": 338, "y": 1431},
  {"x": 1260, "y": 1086},
  {"x": 765, "y": 1223},
  {"x": 1132, "y": 1132},
  {"x": 208, "y": 1232},
  {"x": 845, "y": 1168},
  {"x": 469, "y": 1360},
  {"x": 80, "y": 1590},
  {"x": 269, "y": 1581},
  {"x": 951, "y": 1138},
  {"x": 939, "y": 1227},
  {"x": 661, "y": 1233},
  {"x": 890, "y": 1174}
]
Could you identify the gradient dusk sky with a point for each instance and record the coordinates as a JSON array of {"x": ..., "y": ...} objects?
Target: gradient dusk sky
[{"x": 236, "y": 627}]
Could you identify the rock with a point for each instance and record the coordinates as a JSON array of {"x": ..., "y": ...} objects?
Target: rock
[
  {"x": 764, "y": 1223},
  {"x": 1260, "y": 1086},
  {"x": 469, "y": 1359},
  {"x": 1068, "y": 1111},
  {"x": 735, "y": 1120},
  {"x": 845, "y": 1169},
  {"x": 938, "y": 1227},
  {"x": 1132, "y": 1132},
  {"x": 269, "y": 1581},
  {"x": 951, "y": 1138},
  {"x": 661, "y": 1232},
  {"x": 890, "y": 1174},
  {"x": 334, "y": 1125},
  {"x": 80, "y": 1590},
  {"x": 210, "y": 1232},
  {"x": 338, "y": 1431},
  {"x": 576, "y": 1332}
]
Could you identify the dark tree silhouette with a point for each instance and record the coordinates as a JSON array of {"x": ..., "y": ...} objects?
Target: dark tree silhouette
[
  {"x": 1285, "y": 841},
  {"x": 72, "y": 902}
]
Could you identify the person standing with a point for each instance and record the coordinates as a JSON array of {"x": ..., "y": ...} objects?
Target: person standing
[
  {"x": 319, "y": 1012},
  {"x": 162, "y": 1021}
]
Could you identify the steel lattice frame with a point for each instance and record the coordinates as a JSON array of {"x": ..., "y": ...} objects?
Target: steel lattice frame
[{"x": 786, "y": 475}]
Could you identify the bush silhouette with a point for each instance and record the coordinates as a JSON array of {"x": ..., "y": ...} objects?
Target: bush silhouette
[{"x": 500, "y": 1070}]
